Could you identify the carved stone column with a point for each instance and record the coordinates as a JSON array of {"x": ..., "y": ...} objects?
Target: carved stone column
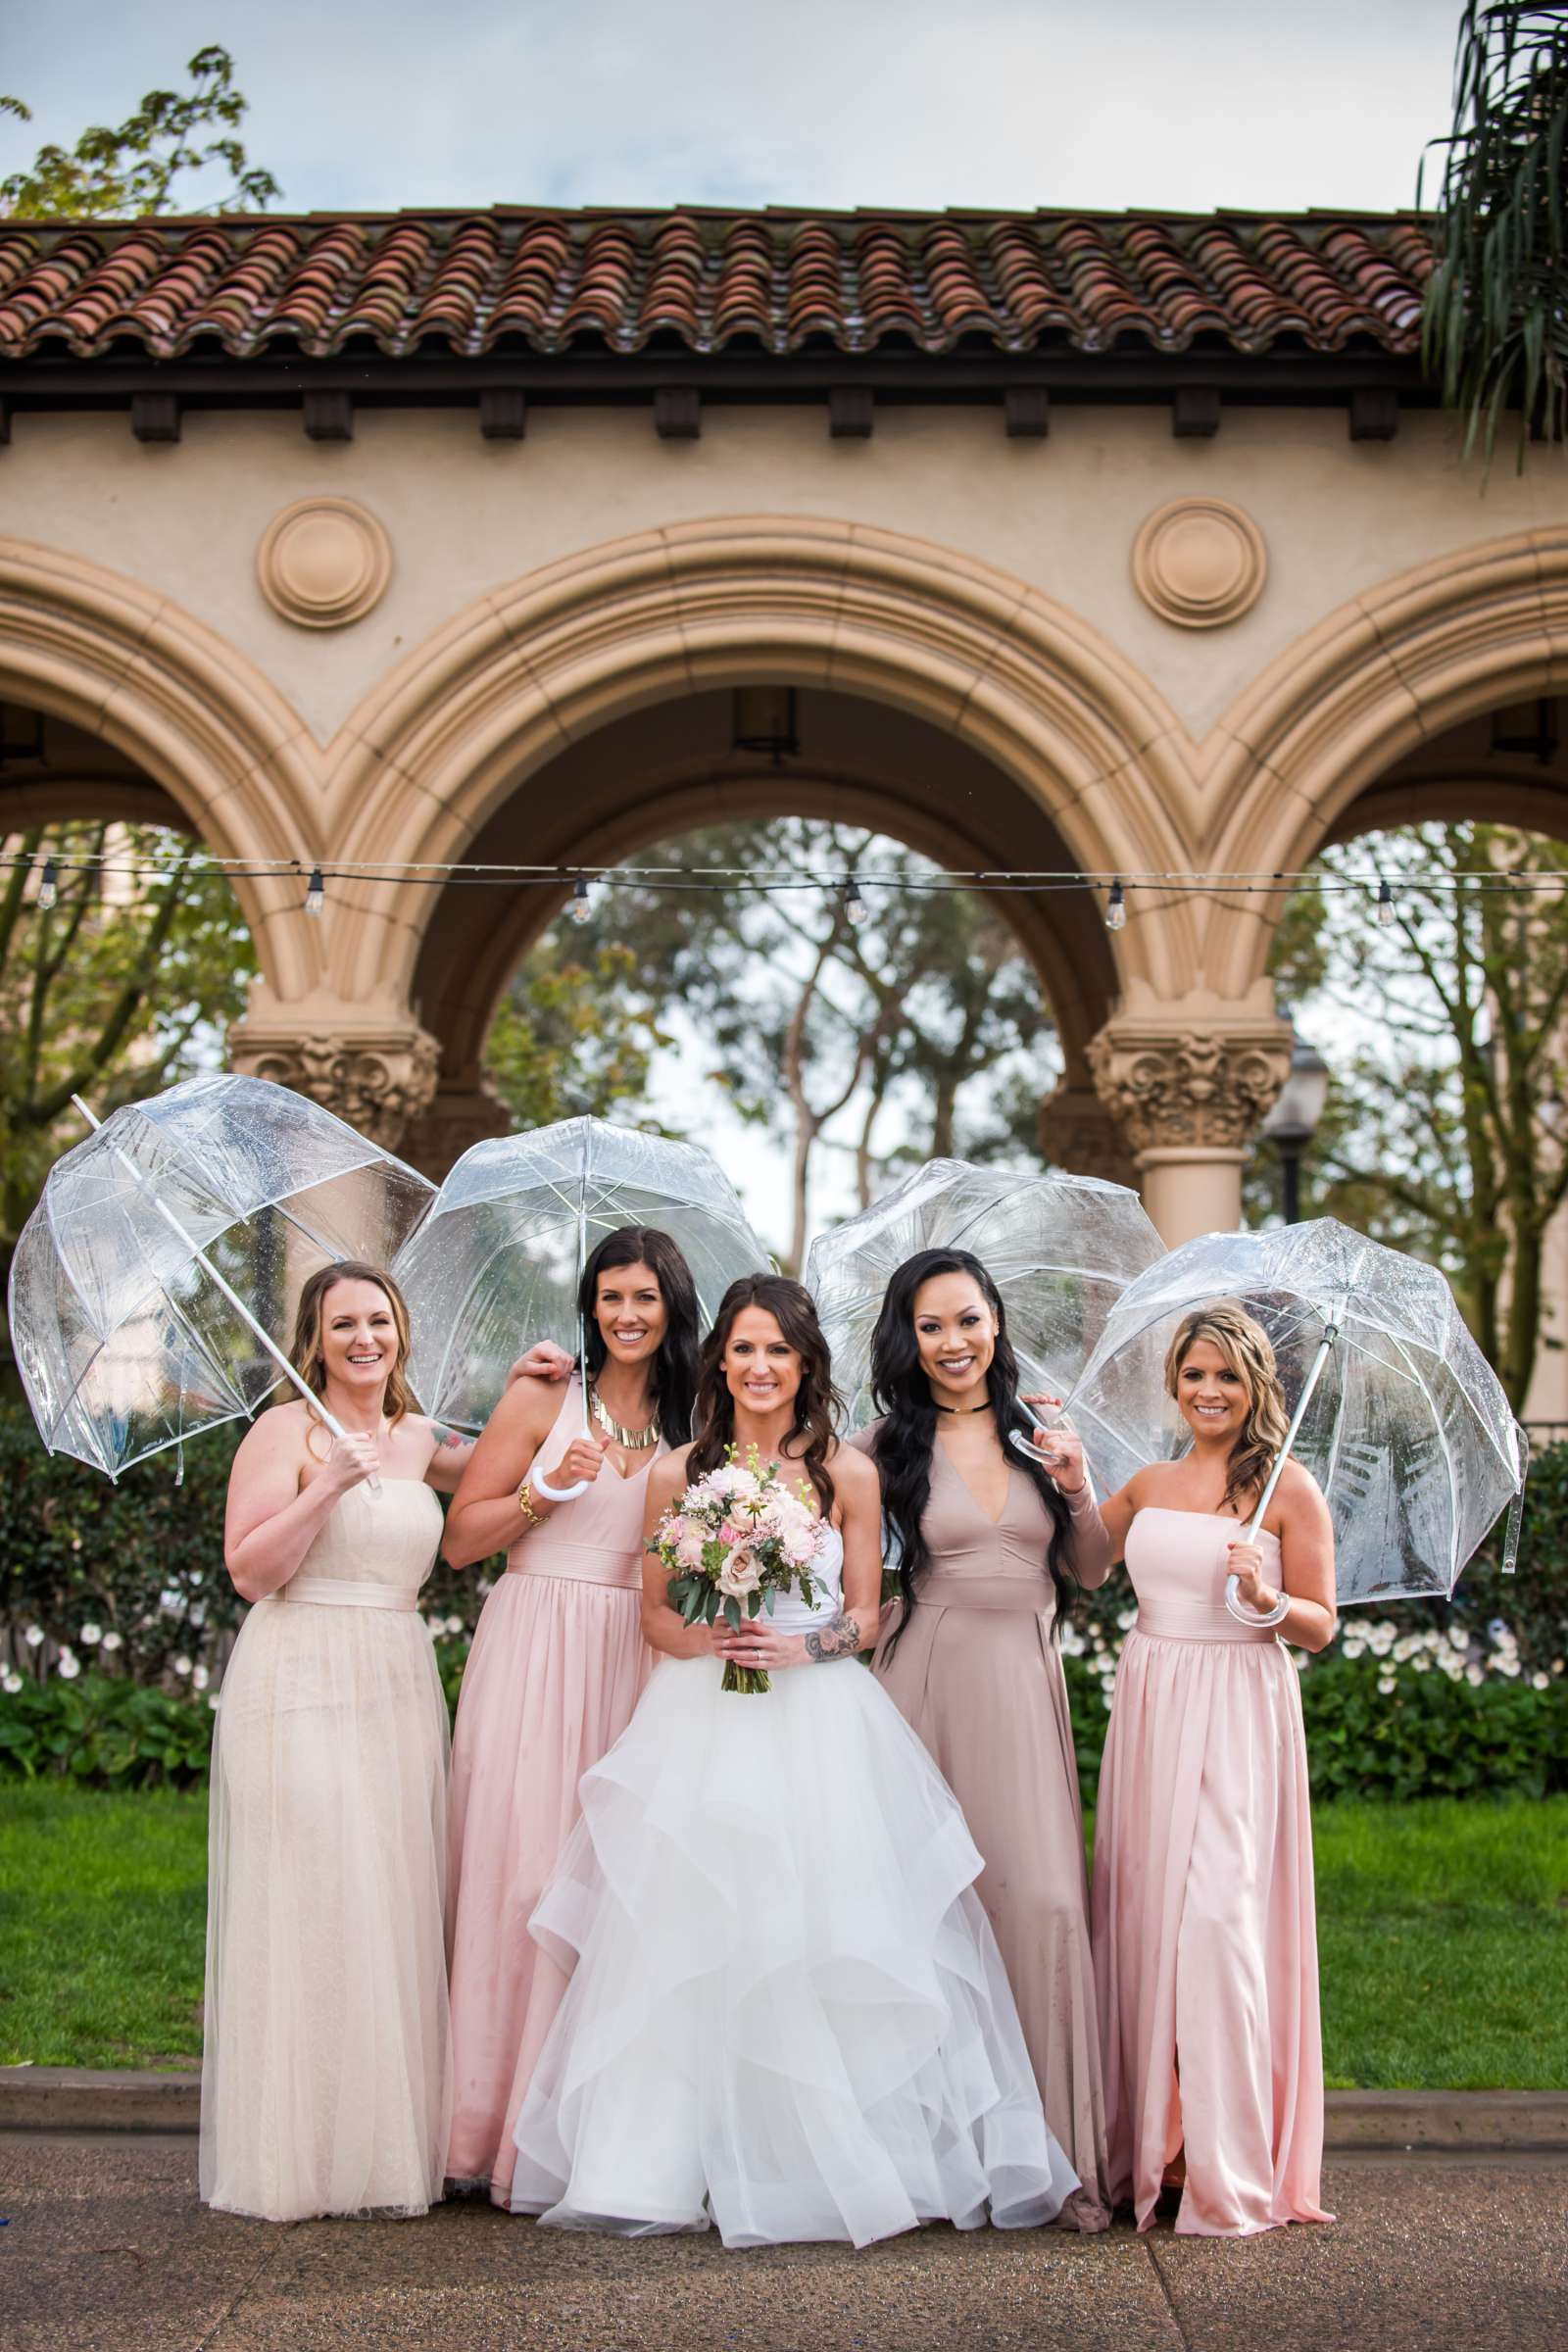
[
  {"x": 1080, "y": 1134},
  {"x": 373, "y": 1066},
  {"x": 1190, "y": 1088},
  {"x": 456, "y": 1117}
]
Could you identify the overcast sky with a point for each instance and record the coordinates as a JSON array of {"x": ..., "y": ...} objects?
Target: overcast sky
[{"x": 374, "y": 104}]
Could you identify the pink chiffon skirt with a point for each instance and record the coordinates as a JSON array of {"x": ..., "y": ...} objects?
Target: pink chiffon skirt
[{"x": 556, "y": 1670}]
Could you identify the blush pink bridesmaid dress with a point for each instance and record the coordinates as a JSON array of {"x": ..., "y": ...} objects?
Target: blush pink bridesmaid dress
[
  {"x": 1206, "y": 1940},
  {"x": 557, "y": 1668}
]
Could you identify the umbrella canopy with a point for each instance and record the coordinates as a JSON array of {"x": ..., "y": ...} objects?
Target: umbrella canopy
[
  {"x": 125, "y": 1340},
  {"x": 1059, "y": 1248},
  {"x": 498, "y": 1261},
  {"x": 1408, "y": 1431}
]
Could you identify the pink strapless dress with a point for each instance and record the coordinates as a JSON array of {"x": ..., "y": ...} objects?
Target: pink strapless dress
[
  {"x": 1205, "y": 1942},
  {"x": 557, "y": 1668}
]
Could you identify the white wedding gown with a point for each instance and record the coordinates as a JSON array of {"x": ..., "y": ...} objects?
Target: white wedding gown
[{"x": 789, "y": 2016}]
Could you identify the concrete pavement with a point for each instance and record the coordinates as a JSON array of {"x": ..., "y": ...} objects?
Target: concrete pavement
[{"x": 107, "y": 2249}]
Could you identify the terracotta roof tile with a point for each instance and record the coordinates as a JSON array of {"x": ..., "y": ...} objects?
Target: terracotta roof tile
[{"x": 776, "y": 278}]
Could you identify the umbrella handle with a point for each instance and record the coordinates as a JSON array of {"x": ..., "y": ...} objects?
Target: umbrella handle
[
  {"x": 1016, "y": 1437},
  {"x": 229, "y": 1292},
  {"x": 557, "y": 1494},
  {"x": 1241, "y": 1614}
]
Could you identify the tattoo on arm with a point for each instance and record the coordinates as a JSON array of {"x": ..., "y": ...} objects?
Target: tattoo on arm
[
  {"x": 840, "y": 1638},
  {"x": 449, "y": 1436}
]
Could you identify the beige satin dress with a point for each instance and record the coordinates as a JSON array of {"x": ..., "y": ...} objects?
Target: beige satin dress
[{"x": 976, "y": 1674}]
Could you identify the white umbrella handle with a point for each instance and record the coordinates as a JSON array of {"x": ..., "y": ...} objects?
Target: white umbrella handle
[
  {"x": 542, "y": 1486},
  {"x": 1016, "y": 1437},
  {"x": 229, "y": 1292},
  {"x": 1232, "y": 1583}
]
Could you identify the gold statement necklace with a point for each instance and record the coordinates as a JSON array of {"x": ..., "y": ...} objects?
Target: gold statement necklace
[{"x": 635, "y": 1441}]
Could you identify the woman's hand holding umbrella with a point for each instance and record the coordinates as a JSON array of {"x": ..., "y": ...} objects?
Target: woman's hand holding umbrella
[{"x": 1246, "y": 1566}]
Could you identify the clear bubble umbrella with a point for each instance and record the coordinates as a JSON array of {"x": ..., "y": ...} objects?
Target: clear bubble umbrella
[
  {"x": 153, "y": 1288},
  {"x": 1059, "y": 1248},
  {"x": 1395, "y": 1409},
  {"x": 496, "y": 1263}
]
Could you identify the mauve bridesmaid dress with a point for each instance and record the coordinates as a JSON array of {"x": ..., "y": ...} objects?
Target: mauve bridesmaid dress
[
  {"x": 1206, "y": 1942},
  {"x": 557, "y": 1668},
  {"x": 976, "y": 1674}
]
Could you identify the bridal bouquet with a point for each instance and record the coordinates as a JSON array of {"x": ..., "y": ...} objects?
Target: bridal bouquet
[{"x": 736, "y": 1539}]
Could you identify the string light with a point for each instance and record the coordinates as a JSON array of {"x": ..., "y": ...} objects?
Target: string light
[
  {"x": 49, "y": 886},
  {"x": 582, "y": 906},
  {"x": 1384, "y": 910},
  {"x": 1116, "y": 911},
  {"x": 854, "y": 907},
  {"x": 316, "y": 893}
]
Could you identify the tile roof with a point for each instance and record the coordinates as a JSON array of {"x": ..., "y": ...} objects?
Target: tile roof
[{"x": 774, "y": 281}]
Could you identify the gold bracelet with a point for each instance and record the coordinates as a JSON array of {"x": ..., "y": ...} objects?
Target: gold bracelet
[{"x": 531, "y": 1517}]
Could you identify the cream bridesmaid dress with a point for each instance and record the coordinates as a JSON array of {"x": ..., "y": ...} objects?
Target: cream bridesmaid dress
[
  {"x": 557, "y": 1668},
  {"x": 326, "y": 2073},
  {"x": 1206, "y": 1939}
]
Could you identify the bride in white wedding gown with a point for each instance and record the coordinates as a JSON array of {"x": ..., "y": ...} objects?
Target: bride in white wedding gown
[{"x": 788, "y": 2015}]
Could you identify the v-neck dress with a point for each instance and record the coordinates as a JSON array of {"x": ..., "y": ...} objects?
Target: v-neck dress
[
  {"x": 976, "y": 1674},
  {"x": 556, "y": 1670}
]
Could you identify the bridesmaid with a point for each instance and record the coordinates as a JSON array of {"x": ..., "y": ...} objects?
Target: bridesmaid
[
  {"x": 326, "y": 2071},
  {"x": 989, "y": 1549},
  {"x": 557, "y": 1662},
  {"x": 1205, "y": 1946}
]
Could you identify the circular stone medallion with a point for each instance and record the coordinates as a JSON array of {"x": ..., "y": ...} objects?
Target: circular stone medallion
[
  {"x": 324, "y": 562},
  {"x": 1199, "y": 561}
]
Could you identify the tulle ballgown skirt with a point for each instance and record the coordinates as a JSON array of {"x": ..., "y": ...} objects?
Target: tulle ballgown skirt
[
  {"x": 789, "y": 2016},
  {"x": 556, "y": 1669},
  {"x": 325, "y": 2081},
  {"x": 1205, "y": 1946}
]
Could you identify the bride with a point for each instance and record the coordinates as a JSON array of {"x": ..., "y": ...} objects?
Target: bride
[{"x": 788, "y": 2015}]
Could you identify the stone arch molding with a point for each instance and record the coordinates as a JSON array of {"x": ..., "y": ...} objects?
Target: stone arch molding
[
  {"x": 532, "y": 667},
  {"x": 1419, "y": 654},
  {"x": 115, "y": 657}
]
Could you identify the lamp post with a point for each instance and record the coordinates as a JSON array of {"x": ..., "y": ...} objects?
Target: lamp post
[{"x": 1293, "y": 1120}]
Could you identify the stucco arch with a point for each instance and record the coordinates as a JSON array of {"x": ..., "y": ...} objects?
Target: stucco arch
[
  {"x": 92, "y": 647},
  {"x": 1300, "y": 760},
  {"x": 532, "y": 668}
]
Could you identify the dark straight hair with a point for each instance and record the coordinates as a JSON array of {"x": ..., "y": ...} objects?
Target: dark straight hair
[
  {"x": 909, "y": 1430},
  {"x": 676, "y": 1365},
  {"x": 816, "y": 1401}
]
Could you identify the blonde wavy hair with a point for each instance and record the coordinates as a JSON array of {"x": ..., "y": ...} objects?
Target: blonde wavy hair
[
  {"x": 306, "y": 1353},
  {"x": 1249, "y": 1353}
]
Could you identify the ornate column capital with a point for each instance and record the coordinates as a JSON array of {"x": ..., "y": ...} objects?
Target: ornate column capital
[
  {"x": 1197, "y": 1086},
  {"x": 373, "y": 1066},
  {"x": 456, "y": 1117},
  {"x": 1080, "y": 1134}
]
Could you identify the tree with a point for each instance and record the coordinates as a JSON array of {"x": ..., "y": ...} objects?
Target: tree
[
  {"x": 916, "y": 1031},
  {"x": 1496, "y": 328},
  {"x": 125, "y": 984},
  {"x": 130, "y": 172},
  {"x": 573, "y": 1037},
  {"x": 1447, "y": 1131}
]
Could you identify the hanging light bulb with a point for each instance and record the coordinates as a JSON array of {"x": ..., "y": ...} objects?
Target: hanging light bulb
[
  {"x": 315, "y": 892},
  {"x": 854, "y": 907},
  {"x": 1384, "y": 910},
  {"x": 49, "y": 886},
  {"x": 582, "y": 906},
  {"x": 1116, "y": 911}
]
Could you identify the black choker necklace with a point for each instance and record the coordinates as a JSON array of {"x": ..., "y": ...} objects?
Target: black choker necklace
[{"x": 963, "y": 1408}]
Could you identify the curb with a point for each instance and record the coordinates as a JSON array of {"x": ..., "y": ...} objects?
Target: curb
[{"x": 71, "y": 2099}]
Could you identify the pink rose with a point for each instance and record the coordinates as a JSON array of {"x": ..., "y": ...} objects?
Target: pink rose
[{"x": 739, "y": 1575}]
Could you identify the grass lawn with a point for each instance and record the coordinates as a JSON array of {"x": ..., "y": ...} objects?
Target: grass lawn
[{"x": 1443, "y": 1930}]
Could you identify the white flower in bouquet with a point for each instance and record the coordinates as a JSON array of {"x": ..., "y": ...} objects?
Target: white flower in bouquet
[
  {"x": 736, "y": 1539},
  {"x": 739, "y": 1575}
]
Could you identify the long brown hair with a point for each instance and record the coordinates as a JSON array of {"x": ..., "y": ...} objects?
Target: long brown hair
[
  {"x": 306, "y": 1353},
  {"x": 1249, "y": 1353},
  {"x": 816, "y": 1401}
]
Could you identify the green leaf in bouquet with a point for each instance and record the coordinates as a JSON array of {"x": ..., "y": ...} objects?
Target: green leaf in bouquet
[
  {"x": 715, "y": 1554},
  {"x": 754, "y": 1603},
  {"x": 771, "y": 1596},
  {"x": 732, "y": 1610}
]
